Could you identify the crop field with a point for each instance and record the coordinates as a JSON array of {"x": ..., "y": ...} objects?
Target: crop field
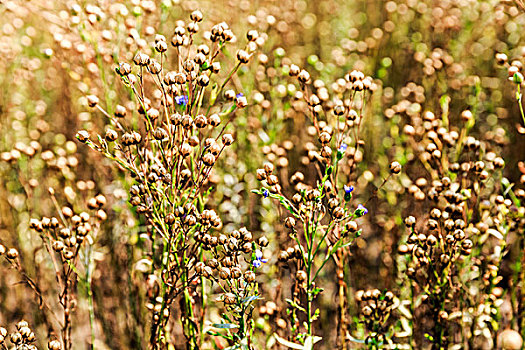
[{"x": 262, "y": 174}]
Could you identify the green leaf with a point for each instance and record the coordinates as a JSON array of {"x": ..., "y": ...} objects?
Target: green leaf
[
  {"x": 295, "y": 305},
  {"x": 288, "y": 343},
  {"x": 225, "y": 325},
  {"x": 310, "y": 341},
  {"x": 248, "y": 300}
]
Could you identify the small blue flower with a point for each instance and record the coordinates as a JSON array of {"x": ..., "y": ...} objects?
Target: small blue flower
[
  {"x": 240, "y": 94},
  {"x": 341, "y": 151},
  {"x": 360, "y": 211},
  {"x": 181, "y": 100},
  {"x": 265, "y": 193},
  {"x": 348, "y": 192},
  {"x": 259, "y": 259}
]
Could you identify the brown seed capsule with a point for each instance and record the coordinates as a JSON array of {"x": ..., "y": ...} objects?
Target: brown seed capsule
[
  {"x": 252, "y": 35},
  {"x": 367, "y": 310},
  {"x": 241, "y": 102},
  {"x": 410, "y": 221},
  {"x": 83, "y": 136},
  {"x": 294, "y": 70},
  {"x": 120, "y": 111},
  {"x": 196, "y": 16},
  {"x": 395, "y": 167},
  {"x": 215, "y": 67},
  {"x": 352, "y": 226},
  {"x": 324, "y": 138},
  {"x": 229, "y": 95},
  {"x": 499, "y": 163},
  {"x": 185, "y": 149},
  {"x": 111, "y": 135},
  {"x": 283, "y": 256},
  {"x": 92, "y": 100},
  {"x": 208, "y": 159},
  {"x": 303, "y": 76},
  {"x": 272, "y": 180},
  {"x": 16, "y": 338},
  {"x": 12, "y": 254},
  {"x": 263, "y": 241},
  {"x": 224, "y": 273},
  {"x": 289, "y": 222},
  {"x": 338, "y": 213},
  {"x": 268, "y": 167},
  {"x": 141, "y": 59},
  {"x": 249, "y": 276},
  {"x": 227, "y": 139},
  {"x": 243, "y": 56},
  {"x": 54, "y": 345},
  {"x": 261, "y": 174},
  {"x": 501, "y": 58},
  {"x": 214, "y": 120},
  {"x": 301, "y": 275},
  {"x": 466, "y": 115},
  {"x": 229, "y": 298}
]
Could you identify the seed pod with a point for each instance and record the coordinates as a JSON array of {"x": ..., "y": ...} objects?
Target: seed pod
[
  {"x": 268, "y": 167},
  {"x": 410, "y": 221},
  {"x": 303, "y": 76},
  {"x": 367, "y": 310},
  {"x": 249, "y": 276},
  {"x": 324, "y": 138},
  {"x": 92, "y": 100},
  {"x": 12, "y": 254},
  {"x": 272, "y": 180},
  {"x": 58, "y": 246},
  {"x": 185, "y": 149},
  {"x": 224, "y": 273},
  {"x": 229, "y": 298},
  {"x": 338, "y": 213},
  {"x": 227, "y": 139},
  {"x": 352, "y": 226},
  {"x": 289, "y": 222},
  {"x": 283, "y": 256},
  {"x": 16, "y": 338},
  {"x": 141, "y": 59},
  {"x": 395, "y": 167},
  {"x": 124, "y": 68},
  {"x": 203, "y": 80},
  {"x": 196, "y": 16},
  {"x": 263, "y": 241},
  {"x": 215, "y": 67},
  {"x": 261, "y": 174},
  {"x": 82, "y": 136},
  {"x": 301, "y": 275},
  {"x": 161, "y": 46},
  {"x": 208, "y": 159}
]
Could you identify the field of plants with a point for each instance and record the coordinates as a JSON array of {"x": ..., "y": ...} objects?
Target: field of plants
[{"x": 261, "y": 174}]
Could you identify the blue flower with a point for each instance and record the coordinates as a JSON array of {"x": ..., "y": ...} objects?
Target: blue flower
[
  {"x": 348, "y": 192},
  {"x": 360, "y": 211},
  {"x": 341, "y": 151},
  {"x": 265, "y": 193},
  {"x": 259, "y": 259},
  {"x": 181, "y": 100},
  {"x": 240, "y": 94}
]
